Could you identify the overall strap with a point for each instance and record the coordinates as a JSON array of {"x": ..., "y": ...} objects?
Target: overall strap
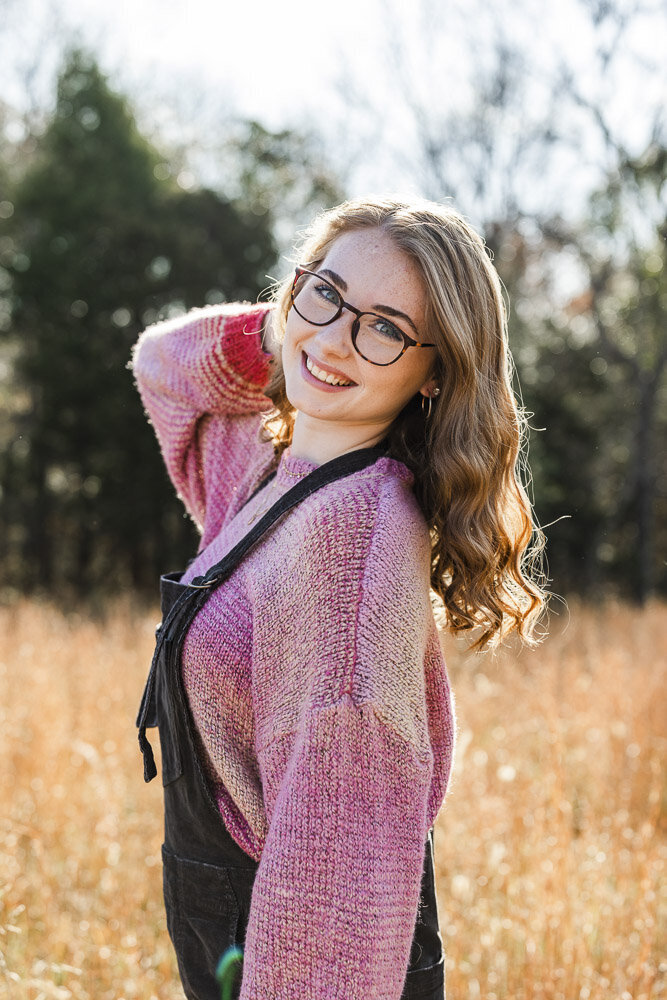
[
  {"x": 337, "y": 468},
  {"x": 199, "y": 589}
]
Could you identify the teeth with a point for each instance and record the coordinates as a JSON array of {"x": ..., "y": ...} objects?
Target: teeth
[{"x": 324, "y": 376}]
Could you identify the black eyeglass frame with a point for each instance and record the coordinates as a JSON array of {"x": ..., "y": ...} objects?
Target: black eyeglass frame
[{"x": 358, "y": 313}]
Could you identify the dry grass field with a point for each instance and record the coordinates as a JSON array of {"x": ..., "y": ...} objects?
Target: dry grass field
[{"x": 549, "y": 849}]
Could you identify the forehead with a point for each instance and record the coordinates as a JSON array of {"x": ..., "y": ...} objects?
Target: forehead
[{"x": 377, "y": 272}]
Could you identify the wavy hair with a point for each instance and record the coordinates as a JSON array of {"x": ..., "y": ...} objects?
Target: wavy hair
[{"x": 468, "y": 458}]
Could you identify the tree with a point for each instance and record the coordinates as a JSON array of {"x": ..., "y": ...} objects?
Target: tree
[
  {"x": 621, "y": 251},
  {"x": 572, "y": 205},
  {"x": 281, "y": 175},
  {"x": 102, "y": 241}
]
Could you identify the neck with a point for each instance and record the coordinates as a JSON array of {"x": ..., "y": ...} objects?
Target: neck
[{"x": 318, "y": 443}]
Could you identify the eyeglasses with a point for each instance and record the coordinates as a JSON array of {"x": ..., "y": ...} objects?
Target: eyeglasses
[{"x": 374, "y": 337}]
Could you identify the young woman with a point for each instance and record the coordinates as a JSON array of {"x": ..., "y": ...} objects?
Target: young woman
[{"x": 304, "y": 712}]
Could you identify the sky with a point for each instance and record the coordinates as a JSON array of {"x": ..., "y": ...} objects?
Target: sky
[
  {"x": 332, "y": 67},
  {"x": 264, "y": 54},
  {"x": 257, "y": 55}
]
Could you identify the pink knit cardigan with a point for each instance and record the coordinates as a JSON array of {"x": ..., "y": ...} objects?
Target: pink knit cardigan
[{"x": 314, "y": 675}]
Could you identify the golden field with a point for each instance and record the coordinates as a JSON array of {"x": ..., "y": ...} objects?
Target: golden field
[{"x": 549, "y": 849}]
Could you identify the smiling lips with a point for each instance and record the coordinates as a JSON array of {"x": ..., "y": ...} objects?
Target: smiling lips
[{"x": 326, "y": 376}]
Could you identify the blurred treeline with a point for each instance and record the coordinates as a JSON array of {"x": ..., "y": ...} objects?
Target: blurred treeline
[
  {"x": 102, "y": 236},
  {"x": 102, "y": 233}
]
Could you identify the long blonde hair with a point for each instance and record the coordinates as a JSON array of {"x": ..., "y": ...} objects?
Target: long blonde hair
[{"x": 468, "y": 456}]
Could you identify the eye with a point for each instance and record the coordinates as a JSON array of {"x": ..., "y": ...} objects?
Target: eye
[
  {"x": 327, "y": 292},
  {"x": 387, "y": 330}
]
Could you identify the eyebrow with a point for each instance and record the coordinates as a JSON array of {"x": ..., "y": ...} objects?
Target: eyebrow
[{"x": 389, "y": 310}]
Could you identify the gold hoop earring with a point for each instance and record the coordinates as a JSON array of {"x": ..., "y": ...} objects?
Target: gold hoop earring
[{"x": 427, "y": 409}]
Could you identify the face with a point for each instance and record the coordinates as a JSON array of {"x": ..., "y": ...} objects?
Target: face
[{"x": 370, "y": 273}]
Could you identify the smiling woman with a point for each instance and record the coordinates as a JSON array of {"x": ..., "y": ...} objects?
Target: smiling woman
[
  {"x": 322, "y": 335},
  {"x": 343, "y": 450}
]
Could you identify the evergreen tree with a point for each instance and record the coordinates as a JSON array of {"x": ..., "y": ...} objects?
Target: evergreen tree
[
  {"x": 606, "y": 399},
  {"x": 103, "y": 243}
]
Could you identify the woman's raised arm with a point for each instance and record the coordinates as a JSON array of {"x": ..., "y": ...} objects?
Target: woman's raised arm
[{"x": 201, "y": 380}]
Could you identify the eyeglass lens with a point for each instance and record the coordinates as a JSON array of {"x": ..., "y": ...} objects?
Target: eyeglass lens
[{"x": 318, "y": 302}]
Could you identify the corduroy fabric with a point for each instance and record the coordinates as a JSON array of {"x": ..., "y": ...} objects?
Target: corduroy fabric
[{"x": 314, "y": 674}]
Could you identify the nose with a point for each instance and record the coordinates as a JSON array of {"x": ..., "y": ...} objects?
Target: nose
[{"x": 336, "y": 337}]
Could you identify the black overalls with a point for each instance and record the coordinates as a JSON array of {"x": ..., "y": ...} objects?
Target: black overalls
[{"x": 207, "y": 877}]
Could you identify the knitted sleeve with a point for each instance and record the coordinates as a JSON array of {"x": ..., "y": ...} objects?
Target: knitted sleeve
[
  {"x": 201, "y": 379},
  {"x": 335, "y": 897},
  {"x": 348, "y": 767}
]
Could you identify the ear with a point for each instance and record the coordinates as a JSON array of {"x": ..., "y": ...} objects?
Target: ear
[{"x": 430, "y": 388}]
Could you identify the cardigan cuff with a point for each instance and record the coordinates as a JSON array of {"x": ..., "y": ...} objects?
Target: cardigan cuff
[{"x": 242, "y": 345}]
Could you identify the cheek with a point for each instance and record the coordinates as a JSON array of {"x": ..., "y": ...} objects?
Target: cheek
[
  {"x": 294, "y": 332},
  {"x": 391, "y": 394},
  {"x": 289, "y": 340},
  {"x": 288, "y": 328},
  {"x": 404, "y": 384}
]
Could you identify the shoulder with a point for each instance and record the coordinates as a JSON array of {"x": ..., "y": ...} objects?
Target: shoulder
[
  {"x": 368, "y": 517},
  {"x": 380, "y": 496},
  {"x": 399, "y": 551}
]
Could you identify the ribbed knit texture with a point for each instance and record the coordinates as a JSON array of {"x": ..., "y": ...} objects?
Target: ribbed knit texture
[{"x": 314, "y": 674}]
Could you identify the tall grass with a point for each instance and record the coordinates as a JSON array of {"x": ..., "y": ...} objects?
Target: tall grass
[{"x": 548, "y": 850}]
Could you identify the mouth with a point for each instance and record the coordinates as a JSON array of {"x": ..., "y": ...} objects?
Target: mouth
[{"x": 324, "y": 378}]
